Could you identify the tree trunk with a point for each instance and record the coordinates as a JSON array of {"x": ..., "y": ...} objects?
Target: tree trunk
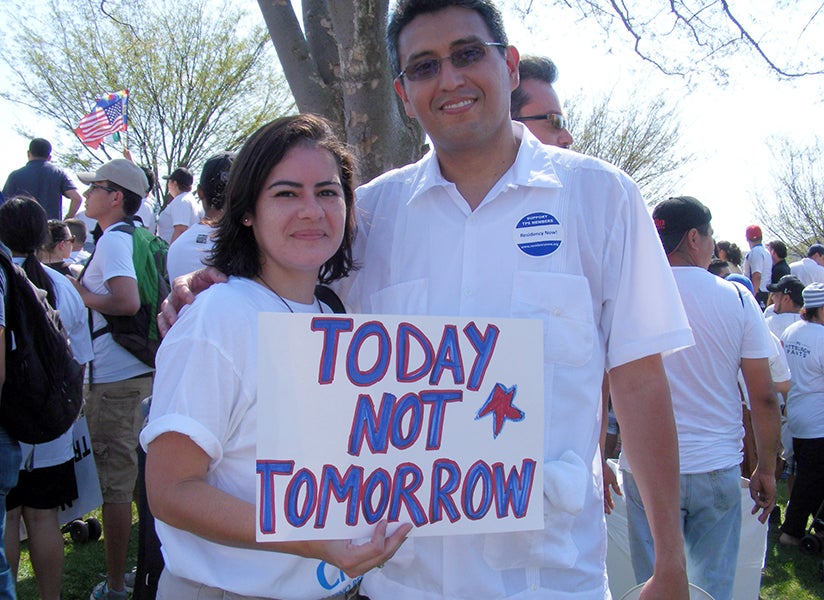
[{"x": 340, "y": 69}]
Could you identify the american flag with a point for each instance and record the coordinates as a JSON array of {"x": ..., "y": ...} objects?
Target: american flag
[{"x": 108, "y": 116}]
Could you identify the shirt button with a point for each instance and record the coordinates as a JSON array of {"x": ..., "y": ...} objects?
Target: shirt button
[{"x": 556, "y": 312}]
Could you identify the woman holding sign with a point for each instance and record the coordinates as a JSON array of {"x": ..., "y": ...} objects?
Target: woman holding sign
[{"x": 288, "y": 222}]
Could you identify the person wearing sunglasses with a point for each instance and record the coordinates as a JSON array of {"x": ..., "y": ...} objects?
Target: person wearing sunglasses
[
  {"x": 535, "y": 102},
  {"x": 56, "y": 251}
]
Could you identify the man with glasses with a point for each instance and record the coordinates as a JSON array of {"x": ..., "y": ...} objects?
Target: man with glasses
[
  {"x": 494, "y": 223},
  {"x": 536, "y": 104},
  {"x": 118, "y": 380},
  {"x": 474, "y": 200}
]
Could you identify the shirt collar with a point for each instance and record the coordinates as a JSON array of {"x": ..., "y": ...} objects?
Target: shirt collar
[{"x": 533, "y": 167}]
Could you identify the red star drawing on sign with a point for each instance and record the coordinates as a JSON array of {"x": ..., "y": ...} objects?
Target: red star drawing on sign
[{"x": 500, "y": 405}]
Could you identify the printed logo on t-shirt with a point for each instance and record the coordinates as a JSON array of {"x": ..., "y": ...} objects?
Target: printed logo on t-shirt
[
  {"x": 538, "y": 234},
  {"x": 797, "y": 349},
  {"x": 202, "y": 238}
]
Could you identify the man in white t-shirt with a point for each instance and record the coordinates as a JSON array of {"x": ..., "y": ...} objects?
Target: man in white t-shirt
[
  {"x": 730, "y": 333},
  {"x": 810, "y": 269},
  {"x": 787, "y": 303},
  {"x": 758, "y": 265},
  {"x": 118, "y": 380},
  {"x": 183, "y": 210}
]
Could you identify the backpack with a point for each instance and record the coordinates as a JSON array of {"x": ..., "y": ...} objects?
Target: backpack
[
  {"x": 139, "y": 333},
  {"x": 43, "y": 391}
]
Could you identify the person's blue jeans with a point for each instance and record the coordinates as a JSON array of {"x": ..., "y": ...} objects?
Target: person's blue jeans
[
  {"x": 9, "y": 468},
  {"x": 710, "y": 521}
]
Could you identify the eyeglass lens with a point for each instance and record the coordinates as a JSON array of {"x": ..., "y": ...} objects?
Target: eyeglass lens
[{"x": 460, "y": 58}]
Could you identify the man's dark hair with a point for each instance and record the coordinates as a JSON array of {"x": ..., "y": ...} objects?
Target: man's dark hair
[
  {"x": 717, "y": 266},
  {"x": 538, "y": 68},
  {"x": 78, "y": 229},
  {"x": 780, "y": 248},
  {"x": 40, "y": 148},
  {"x": 131, "y": 201},
  {"x": 406, "y": 11},
  {"x": 236, "y": 251},
  {"x": 815, "y": 249}
]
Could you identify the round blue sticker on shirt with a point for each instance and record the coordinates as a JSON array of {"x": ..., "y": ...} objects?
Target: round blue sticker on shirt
[{"x": 538, "y": 234}]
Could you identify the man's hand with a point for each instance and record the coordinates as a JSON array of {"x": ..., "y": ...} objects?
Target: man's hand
[
  {"x": 673, "y": 586},
  {"x": 610, "y": 481},
  {"x": 762, "y": 491},
  {"x": 184, "y": 290}
]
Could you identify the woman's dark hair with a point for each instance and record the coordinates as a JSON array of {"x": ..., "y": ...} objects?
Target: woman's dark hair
[
  {"x": 58, "y": 232},
  {"x": 732, "y": 251},
  {"x": 23, "y": 228},
  {"x": 809, "y": 314},
  {"x": 236, "y": 251}
]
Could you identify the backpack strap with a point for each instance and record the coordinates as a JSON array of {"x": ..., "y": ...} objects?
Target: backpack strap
[
  {"x": 126, "y": 226},
  {"x": 328, "y": 296}
]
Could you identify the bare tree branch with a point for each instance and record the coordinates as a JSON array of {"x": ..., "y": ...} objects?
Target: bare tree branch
[{"x": 794, "y": 212}]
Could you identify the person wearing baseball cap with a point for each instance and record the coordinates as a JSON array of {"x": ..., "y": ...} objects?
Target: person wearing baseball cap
[
  {"x": 730, "y": 334},
  {"x": 182, "y": 210},
  {"x": 193, "y": 246},
  {"x": 804, "y": 345},
  {"x": 758, "y": 265},
  {"x": 118, "y": 380},
  {"x": 122, "y": 173},
  {"x": 787, "y": 303}
]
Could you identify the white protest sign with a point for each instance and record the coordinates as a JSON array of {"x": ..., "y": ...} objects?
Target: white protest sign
[{"x": 434, "y": 421}]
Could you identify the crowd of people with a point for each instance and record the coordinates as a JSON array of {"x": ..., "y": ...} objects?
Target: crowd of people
[
  {"x": 698, "y": 351},
  {"x": 89, "y": 277}
]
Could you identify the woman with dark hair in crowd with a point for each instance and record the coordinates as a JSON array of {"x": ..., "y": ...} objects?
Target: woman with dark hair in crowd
[
  {"x": 57, "y": 249},
  {"x": 46, "y": 479},
  {"x": 288, "y": 222},
  {"x": 731, "y": 253}
]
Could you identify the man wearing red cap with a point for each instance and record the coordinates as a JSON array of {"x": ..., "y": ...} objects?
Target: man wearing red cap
[{"x": 758, "y": 265}]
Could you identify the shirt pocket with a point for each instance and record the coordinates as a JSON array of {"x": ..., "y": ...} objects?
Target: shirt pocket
[
  {"x": 405, "y": 298},
  {"x": 563, "y": 302}
]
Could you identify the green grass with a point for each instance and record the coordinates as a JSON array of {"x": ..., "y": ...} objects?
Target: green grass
[
  {"x": 789, "y": 574},
  {"x": 84, "y": 567}
]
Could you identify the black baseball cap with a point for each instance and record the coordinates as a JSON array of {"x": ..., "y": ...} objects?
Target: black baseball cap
[
  {"x": 676, "y": 216},
  {"x": 790, "y": 285}
]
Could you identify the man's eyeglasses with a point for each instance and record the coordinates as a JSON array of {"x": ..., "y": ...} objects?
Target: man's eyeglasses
[
  {"x": 97, "y": 186},
  {"x": 464, "y": 56},
  {"x": 556, "y": 120}
]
